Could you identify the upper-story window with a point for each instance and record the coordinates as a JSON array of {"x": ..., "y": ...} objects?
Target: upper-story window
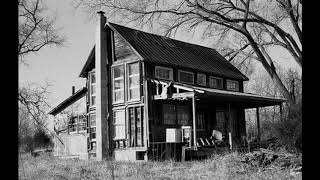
[
  {"x": 201, "y": 79},
  {"x": 133, "y": 81},
  {"x": 164, "y": 73},
  {"x": 215, "y": 82},
  {"x": 118, "y": 84},
  {"x": 185, "y": 77},
  {"x": 232, "y": 85},
  {"x": 92, "y": 86}
]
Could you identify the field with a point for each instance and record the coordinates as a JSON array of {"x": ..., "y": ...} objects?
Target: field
[{"x": 227, "y": 166}]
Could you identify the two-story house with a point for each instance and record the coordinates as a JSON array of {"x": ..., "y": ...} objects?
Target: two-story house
[{"x": 149, "y": 96}]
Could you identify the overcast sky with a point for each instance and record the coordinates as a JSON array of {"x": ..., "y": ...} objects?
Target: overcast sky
[{"x": 61, "y": 66}]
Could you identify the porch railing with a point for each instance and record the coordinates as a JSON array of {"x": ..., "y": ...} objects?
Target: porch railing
[{"x": 159, "y": 151}]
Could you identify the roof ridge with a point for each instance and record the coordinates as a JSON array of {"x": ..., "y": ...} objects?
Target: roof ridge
[{"x": 163, "y": 36}]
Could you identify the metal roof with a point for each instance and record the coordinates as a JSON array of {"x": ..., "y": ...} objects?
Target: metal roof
[
  {"x": 246, "y": 100},
  {"x": 160, "y": 49},
  {"x": 67, "y": 102}
]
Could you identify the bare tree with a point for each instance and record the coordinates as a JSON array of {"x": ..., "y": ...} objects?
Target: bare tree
[
  {"x": 36, "y": 30},
  {"x": 253, "y": 26},
  {"x": 33, "y": 100}
]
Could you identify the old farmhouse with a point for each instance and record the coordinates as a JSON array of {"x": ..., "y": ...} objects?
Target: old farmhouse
[{"x": 150, "y": 97}]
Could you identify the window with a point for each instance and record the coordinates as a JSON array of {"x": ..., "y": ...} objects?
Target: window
[
  {"x": 232, "y": 85},
  {"x": 77, "y": 123},
  {"x": 215, "y": 82},
  {"x": 169, "y": 114},
  {"x": 82, "y": 123},
  {"x": 92, "y": 120},
  {"x": 220, "y": 121},
  {"x": 118, "y": 84},
  {"x": 136, "y": 126},
  {"x": 163, "y": 73},
  {"x": 72, "y": 124},
  {"x": 201, "y": 79},
  {"x": 119, "y": 124},
  {"x": 92, "y": 87},
  {"x": 201, "y": 119},
  {"x": 183, "y": 115},
  {"x": 133, "y": 81},
  {"x": 173, "y": 114},
  {"x": 185, "y": 77}
]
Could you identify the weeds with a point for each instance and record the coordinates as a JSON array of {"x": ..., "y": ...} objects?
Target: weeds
[{"x": 226, "y": 166}]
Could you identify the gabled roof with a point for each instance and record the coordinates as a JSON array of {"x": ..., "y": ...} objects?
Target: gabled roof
[
  {"x": 67, "y": 102},
  {"x": 160, "y": 49},
  {"x": 163, "y": 50},
  {"x": 89, "y": 64}
]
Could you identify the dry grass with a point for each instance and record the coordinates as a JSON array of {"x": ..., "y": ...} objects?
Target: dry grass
[{"x": 226, "y": 166}]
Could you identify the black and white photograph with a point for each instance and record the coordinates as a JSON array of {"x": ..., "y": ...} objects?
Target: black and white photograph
[{"x": 159, "y": 89}]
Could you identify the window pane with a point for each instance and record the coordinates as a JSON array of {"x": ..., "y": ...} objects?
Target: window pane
[
  {"x": 134, "y": 81},
  {"x": 169, "y": 114},
  {"x": 134, "y": 93},
  {"x": 134, "y": 68},
  {"x": 201, "y": 79},
  {"x": 119, "y": 132},
  {"x": 163, "y": 73},
  {"x": 118, "y": 71},
  {"x": 118, "y": 84},
  {"x": 215, "y": 83},
  {"x": 233, "y": 85},
  {"x": 92, "y": 119},
  {"x": 119, "y": 96},
  {"x": 186, "y": 77},
  {"x": 93, "y": 77},
  {"x": 183, "y": 115},
  {"x": 93, "y": 100},
  {"x": 119, "y": 117},
  {"x": 93, "y": 89}
]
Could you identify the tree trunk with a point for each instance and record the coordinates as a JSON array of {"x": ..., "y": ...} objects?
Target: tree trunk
[{"x": 269, "y": 68}]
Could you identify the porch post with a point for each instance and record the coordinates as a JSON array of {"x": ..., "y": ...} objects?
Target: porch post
[
  {"x": 194, "y": 121},
  {"x": 258, "y": 123},
  {"x": 230, "y": 127},
  {"x": 280, "y": 107}
]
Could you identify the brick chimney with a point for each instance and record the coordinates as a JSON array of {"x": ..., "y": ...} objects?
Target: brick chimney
[{"x": 103, "y": 103}]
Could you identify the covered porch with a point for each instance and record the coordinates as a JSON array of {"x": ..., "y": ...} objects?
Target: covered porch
[{"x": 186, "y": 115}]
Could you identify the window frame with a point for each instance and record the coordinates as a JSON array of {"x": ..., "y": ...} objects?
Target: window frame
[
  {"x": 213, "y": 77},
  {"x": 236, "y": 85},
  {"x": 188, "y": 72},
  {"x": 138, "y": 87},
  {"x": 165, "y": 68},
  {"x": 205, "y": 79},
  {"x": 113, "y": 84}
]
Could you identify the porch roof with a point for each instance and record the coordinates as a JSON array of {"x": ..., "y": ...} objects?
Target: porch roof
[
  {"x": 245, "y": 100},
  {"x": 67, "y": 102}
]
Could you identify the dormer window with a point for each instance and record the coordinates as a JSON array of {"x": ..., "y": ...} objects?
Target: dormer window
[
  {"x": 232, "y": 85},
  {"x": 163, "y": 73},
  {"x": 215, "y": 82},
  {"x": 185, "y": 77}
]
